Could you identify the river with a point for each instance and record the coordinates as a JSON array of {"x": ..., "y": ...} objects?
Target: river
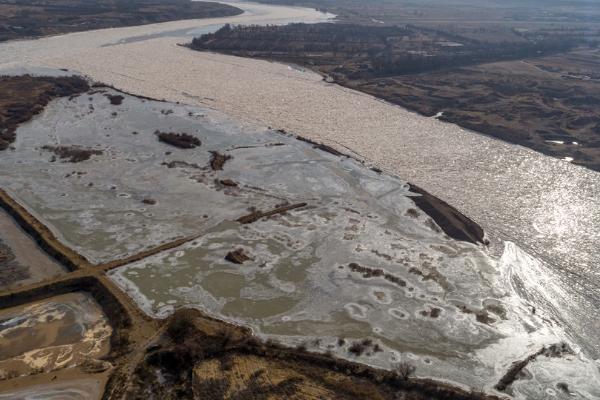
[{"x": 548, "y": 207}]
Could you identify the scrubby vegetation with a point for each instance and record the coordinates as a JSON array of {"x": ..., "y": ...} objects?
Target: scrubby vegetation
[
  {"x": 217, "y": 160},
  {"x": 200, "y": 357},
  {"x": 257, "y": 214},
  {"x": 115, "y": 99},
  {"x": 367, "y": 346},
  {"x": 181, "y": 140},
  {"x": 555, "y": 350},
  {"x": 73, "y": 154},
  {"x": 238, "y": 256},
  {"x": 362, "y": 52},
  {"x": 22, "y": 97},
  {"x": 368, "y": 272}
]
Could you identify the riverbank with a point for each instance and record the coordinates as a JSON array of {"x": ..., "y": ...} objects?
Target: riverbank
[{"x": 43, "y": 18}]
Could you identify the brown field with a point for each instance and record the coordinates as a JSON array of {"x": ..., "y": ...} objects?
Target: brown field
[
  {"x": 230, "y": 364},
  {"x": 537, "y": 103}
]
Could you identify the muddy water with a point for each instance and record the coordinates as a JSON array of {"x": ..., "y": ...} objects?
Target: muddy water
[
  {"x": 52, "y": 334},
  {"x": 27, "y": 262}
]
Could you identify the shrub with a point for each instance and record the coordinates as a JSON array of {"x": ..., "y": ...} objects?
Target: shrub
[{"x": 404, "y": 370}]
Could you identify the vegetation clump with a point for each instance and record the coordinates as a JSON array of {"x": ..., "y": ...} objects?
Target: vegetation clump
[
  {"x": 115, "y": 99},
  {"x": 368, "y": 272},
  {"x": 364, "y": 346},
  {"x": 257, "y": 214},
  {"x": 238, "y": 256},
  {"x": 73, "y": 154},
  {"x": 180, "y": 140},
  {"x": 228, "y": 182},
  {"x": 217, "y": 160},
  {"x": 404, "y": 370},
  {"x": 22, "y": 97}
]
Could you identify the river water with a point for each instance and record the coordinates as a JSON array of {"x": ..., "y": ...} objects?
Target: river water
[{"x": 548, "y": 207}]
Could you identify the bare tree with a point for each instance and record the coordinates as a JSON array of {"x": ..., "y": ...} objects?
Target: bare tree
[{"x": 404, "y": 370}]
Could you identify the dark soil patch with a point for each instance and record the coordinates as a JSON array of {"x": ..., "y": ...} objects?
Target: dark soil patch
[
  {"x": 237, "y": 256},
  {"x": 453, "y": 222},
  {"x": 431, "y": 313},
  {"x": 256, "y": 215},
  {"x": 218, "y": 160},
  {"x": 73, "y": 154},
  {"x": 368, "y": 272},
  {"x": 228, "y": 183},
  {"x": 180, "y": 164},
  {"x": 115, "y": 100},
  {"x": 180, "y": 140}
]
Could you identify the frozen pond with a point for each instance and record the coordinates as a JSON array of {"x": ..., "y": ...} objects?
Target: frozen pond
[
  {"x": 358, "y": 261},
  {"x": 56, "y": 333}
]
